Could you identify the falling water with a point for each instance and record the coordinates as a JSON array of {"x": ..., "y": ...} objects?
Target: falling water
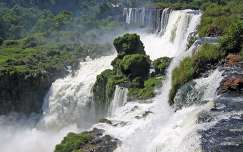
[
  {"x": 119, "y": 100},
  {"x": 174, "y": 40},
  {"x": 155, "y": 126},
  {"x": 142, "y": 127},
  {"x": 70, "y": 99},
  {"x": 68, "y": 108}
]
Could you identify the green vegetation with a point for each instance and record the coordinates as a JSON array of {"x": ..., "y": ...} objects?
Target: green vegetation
[
  {"x": 135, "y": 65},
  {"x": 72, "y": 142},
  {"x": 128, "y": 44},
  {"x": 147, "y": 91},
  {"x": 191, "y": 67},
  {"x": 104, "y": 86},
  {"x": 50, "y": 35},
  {"x": 130, "y": 69},
  {"x": 161, "y": 64},
  {"x": 231, "y": 41},
  {"x": 217, "y": 17}
]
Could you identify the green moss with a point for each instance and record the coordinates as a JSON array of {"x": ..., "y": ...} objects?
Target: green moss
[
  {"x": 72, "y": 142},
  {"x": 161, "y": 64},
  {"x": 135, "y": 65},
  {"x": 147, "y": 91},
  {"x": 182, "y": 74}
]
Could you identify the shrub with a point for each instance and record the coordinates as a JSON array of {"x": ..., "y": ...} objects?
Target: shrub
[
  {"x": 231, "y": 40},
  {"x": 182, "y": 74}
]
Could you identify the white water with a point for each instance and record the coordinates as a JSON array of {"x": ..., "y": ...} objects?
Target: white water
[
  {"x": 120, "y": 99},
  {"x": 141, "y": 127},
  {"x": 180, "y": 25},
  {"x": 155, "y": 126},
  {"x": 69, "y": 101},
  {"x": 68, "y": 108}
]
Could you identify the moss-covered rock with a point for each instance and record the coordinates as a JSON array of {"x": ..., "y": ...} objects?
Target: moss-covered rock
[
  {"x": 130, "y": 68},
  {"x": 129, "y": 44},
  {"x": 146, "y": 92},
  {"x": 161, "y": 64},
  {"x": 135, "y": 65},
  {"x": 92, "y": 141},
  {"x": 104, "y": 88}
]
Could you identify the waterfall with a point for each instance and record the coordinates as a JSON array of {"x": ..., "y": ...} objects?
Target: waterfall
[
  {"x": 120, "y": 99},
  {"x": 164, "y": 21},
  {"x": 180, "y": 23},
  {"x": 69, "y": 100},
  {"x": 154, "y": 127},
  {"x": 151, "y": 126},
  {"x": 146, "y": 17}
]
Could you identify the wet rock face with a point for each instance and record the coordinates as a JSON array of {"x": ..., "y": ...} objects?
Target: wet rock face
[
  {"x": 24, "y": 93},
  {"x": 225, "y": 136},
  {"x": 232, "y": 83},
  {"x": 224, "y": 131},
  {"x": 188, "y": 95}
]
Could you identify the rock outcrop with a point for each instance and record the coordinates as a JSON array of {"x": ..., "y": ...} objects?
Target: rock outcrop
[
  {"x": 24, "y": 92},
  {"x": 91, "y": 141}
]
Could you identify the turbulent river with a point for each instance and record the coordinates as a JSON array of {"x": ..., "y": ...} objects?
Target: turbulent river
[{"x": 141, "y": 127}]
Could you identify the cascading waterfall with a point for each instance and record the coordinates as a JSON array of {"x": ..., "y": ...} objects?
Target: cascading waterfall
[
  {"x": 155, "y": 126},
  {"x": 163, "y": 21},
  {"x": 151, "y": 18},
  {"x": 70, "y": 99},
  {"x": 174, "y": 40},
  {"x": 68, "y": 108},
  {"x": 119, "y": 100},
  {"x": 141, "y": 127}
]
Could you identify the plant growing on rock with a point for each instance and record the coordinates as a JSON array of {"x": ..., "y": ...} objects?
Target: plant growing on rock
[
  {"x": 192, "y": 67},
  {"x": 161, "y": 64}
]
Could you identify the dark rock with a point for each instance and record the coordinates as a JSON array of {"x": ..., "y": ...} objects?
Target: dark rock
[
  {"x": 224, "y": 122},
  {"x": 107, "y": 121}
]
